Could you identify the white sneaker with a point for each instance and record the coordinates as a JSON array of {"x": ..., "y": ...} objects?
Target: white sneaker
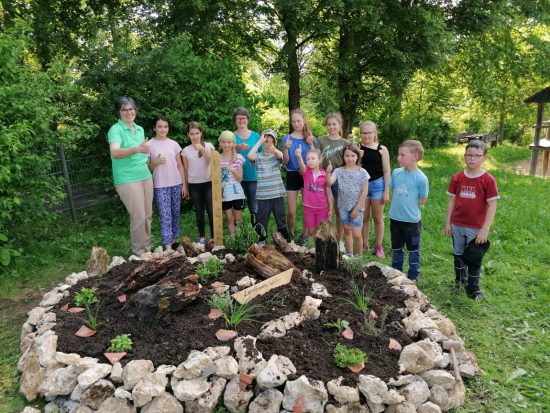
[{"x": 342, "y": 247}]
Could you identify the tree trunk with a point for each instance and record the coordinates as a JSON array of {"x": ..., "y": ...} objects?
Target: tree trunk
[
  {"x": 500, "y": 137},
  {"x": 290, "y": 50},
  {"x": 326, "y": 247},
  {"x": 349, "y": 80}
]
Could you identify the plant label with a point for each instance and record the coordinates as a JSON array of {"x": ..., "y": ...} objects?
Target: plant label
[{"x": 263, "y": 287}]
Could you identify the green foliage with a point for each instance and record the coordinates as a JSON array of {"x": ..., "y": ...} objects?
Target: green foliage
[
  {"x": 222, "y": 302},
  {"x": 372, "y": 327},
  {"x": 88, "y": 299},
  {"x": 393, "y": 132},
  {"x": 354, "y": 266},
  {"x": 239, "y": 313},
  {"x": 121, "y": 343},
  {"x": 339, "y": 324},
  {"x": 209, "y": 269},
  {"x": 346, "y": 356},
  {"x": 361, "y": 299},
  {"x": 244, "y": 237}
]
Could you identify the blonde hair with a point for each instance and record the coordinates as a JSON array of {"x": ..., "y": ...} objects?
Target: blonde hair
[
  {"x": 370, "y": 123},
  {"x": 227, "y": 134},
  {"x": 316, "y": 151},
  {"x": 414, "y": 147},
  {"x": 338, "y": 117},
  {"x": 307, "y": 130}
]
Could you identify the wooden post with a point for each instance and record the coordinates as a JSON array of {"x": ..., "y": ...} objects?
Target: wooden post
[
  {"x": 538, "y": 127},
  {"x": 217, "y": 197}
]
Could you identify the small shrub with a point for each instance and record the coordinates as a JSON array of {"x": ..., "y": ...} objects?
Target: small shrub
[
  {"x": 209, "y": 269},
  {"x": 345, "y": 356},
  {"x": 87, "y": 298},
  {"x": 239, "y": 313},
  {"x": 121, "y": 343},
  {"x": 220, "y": 301},
  {"x": 244, "y": 237},
  {"x": 373, "y": 327},
  {"x": 339, "y": 324},
  {"x": 354, "y": 266}
]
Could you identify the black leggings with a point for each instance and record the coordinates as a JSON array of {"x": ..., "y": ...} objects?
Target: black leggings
[{"x": 201, "y": 194}]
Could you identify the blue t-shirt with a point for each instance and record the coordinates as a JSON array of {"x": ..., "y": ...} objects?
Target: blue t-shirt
[
  {"x": 249, "y": 171},
  {"x": 292, "y": 164},
  {"x": 408, "y": 188}
]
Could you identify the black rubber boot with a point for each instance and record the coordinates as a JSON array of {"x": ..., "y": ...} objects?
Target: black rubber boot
[
  {"x": 461, "y": 274},
  {"x": 472, "y": 289}
]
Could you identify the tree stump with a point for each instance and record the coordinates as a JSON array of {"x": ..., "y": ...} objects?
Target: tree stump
[
  {"x": 326, "y": 247},
  {"x": 266, "y": 261},
  {"x": 98, "y": 264}
]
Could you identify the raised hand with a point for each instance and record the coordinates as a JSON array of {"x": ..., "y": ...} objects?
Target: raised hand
[
  {"x": 144, "y": 147},
  {"x": 161, "y": 160},
  {"x": 309, "y": 140},
  {"x": 298, "y": 152},
  {"x": 288, "y": 144},
  {"x": 329, "y": 167}
]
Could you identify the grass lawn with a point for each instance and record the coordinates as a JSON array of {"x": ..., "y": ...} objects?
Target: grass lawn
[{"x": 508, "y": 330}]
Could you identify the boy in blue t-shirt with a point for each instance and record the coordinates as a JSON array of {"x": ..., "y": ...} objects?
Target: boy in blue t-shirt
[{"x": 409, "y": 188}]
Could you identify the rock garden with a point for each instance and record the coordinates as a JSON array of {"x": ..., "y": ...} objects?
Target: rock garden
[{"x": 205, "y": 329}]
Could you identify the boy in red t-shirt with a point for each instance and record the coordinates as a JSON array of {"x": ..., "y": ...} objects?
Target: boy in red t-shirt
[{"x": 470, "y": 213}]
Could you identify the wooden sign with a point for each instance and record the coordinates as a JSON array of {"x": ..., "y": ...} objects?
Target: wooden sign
[
  {"x": 248, "y": 294},
  {"x": 217, "y": 196}
]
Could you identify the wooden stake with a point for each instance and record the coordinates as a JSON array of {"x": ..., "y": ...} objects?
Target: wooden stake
[{"x": 217, "y": 196}]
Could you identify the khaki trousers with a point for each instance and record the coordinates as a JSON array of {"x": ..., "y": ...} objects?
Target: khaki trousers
[{"x": 137, "y": 197}]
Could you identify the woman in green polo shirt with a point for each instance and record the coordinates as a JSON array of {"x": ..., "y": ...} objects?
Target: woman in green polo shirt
[{"x": 133, "y": 182}]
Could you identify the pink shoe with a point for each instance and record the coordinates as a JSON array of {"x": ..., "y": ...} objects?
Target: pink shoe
[{"x": 379, "y": 251}]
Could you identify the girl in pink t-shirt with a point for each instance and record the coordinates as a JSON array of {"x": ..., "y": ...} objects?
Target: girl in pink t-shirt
[
  {"x": 317, "y": 196},
  {"x": 165, "y": 164}
]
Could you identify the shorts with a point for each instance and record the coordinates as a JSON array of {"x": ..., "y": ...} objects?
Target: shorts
[
  {"x": 345, "y": 218},
  {"x": 294, "y": 181},
  {"x": 237, "y": 204},
  {"x": 334, "y": 189},
  {"x": 461, "y": 237},
  {"x": 314, "y": 216},
  {"x": 376, "y": 189}
]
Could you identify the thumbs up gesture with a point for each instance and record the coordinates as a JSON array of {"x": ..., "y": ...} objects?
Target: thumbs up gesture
[
  {"x": 288, "y": 144},
  {"x": 298, "y": 151},
  {"x": 160, "y": 159},
  {"x": 329, "y": 167}
]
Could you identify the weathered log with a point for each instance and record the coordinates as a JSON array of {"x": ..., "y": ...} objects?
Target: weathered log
[
  {"x": 280, "y": 243},
  {"x": 98, "y": 264},
  {"x": 187, "y": 245},
  {"x": 326, "y": 247},
  {"x": 266, "y": 261},
  {"x": 168, "y": 295}
]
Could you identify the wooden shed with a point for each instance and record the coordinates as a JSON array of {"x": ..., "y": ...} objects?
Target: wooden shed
[{"x": 540, "y": 145}]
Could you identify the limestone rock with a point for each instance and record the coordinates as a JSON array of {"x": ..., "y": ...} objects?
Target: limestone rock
[
  {"x": 51, "y": 298},
  {"x": 26, "y": 328},
  {"x": 417, "y": 321},
  {"x": 249, "y": 357},
  {"x": 428, "y": 407},
  {"x": 386, "y": 270},
  {"x": 235, "y": 399},
  {"x": 217, "y": 352},
  {"x": 77, "y": 392},
  {"x": 209, "y": 400},
  {"x": 226, "y": 367},
  {"x": 373, "y": 388},
  {"x": 166, "y": 369},
  {"x": 98, "y": 264},
  {"x": 314, "y": 391},
  {"x": 268, "y": 401},
  {"x": 434, "y": 334},
  {"x": 272, "y": 329},
  {"x": 51, "y": 408},
  {"x": 29, "y": 409},
  {"x": 116, "y": 261},
  {"x": 152, "y": 385},
  {"x": 271, "y": 376},
  {"x": 123, "y": 394},
  {"x": 116, "y": 373},
  {"x": 405, "y": 407},
  {"x": 114, "y": 404},
  {"x": 165, "y": 403},
  {"x": 193, "y": 367},
  {"x": 400, "y": 280},
  {"x": 319, "y": 290},
  {"x": 76, "y": 277},
  {"x": 417, "y": 357},
  {"x": 393, "y": 397},
  {"x": 85, "y": 363},
  {"x": 97, "y": 393},
  {"x": 448, "y": 399},
  {"x": 440, "y": 377},
  {"x": 416, "y": 393},
  {"x": 444, "y": 325},
  {"x": 204, "y": 257},
  {"x": 67, "y": 358},
  {"x": 33, "y": 374},
  {"x": 310, "y": 308},
  {"x": 93, "y": 374},
  {"x": 343, "y": 394},
  {"x": 468, "y": 371},
  {"x": 347, "y": 408},
  {"x": 245, "y": 282},
  {"x": 46, "y": 346},
  {"x": 134, "y": 371},
  {"x": 229, "y": 258},
  {"x": 292, "y": 320},
  {"x": 187, "y": 390},
  {"x": 403, "y": 380},
  {"x": 60, "y": 382}
]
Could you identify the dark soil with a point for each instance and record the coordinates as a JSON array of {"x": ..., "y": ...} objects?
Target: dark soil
[{"x": 168, "y": 340}]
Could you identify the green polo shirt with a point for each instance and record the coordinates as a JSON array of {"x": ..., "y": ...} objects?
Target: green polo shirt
[{"x": 133, "y": 168}]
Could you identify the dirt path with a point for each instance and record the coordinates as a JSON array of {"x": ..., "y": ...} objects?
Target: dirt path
[{"x": 522, "y": 167}]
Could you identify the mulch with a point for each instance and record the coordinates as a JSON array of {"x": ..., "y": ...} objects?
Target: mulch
[{"x": 170, "y": 338}]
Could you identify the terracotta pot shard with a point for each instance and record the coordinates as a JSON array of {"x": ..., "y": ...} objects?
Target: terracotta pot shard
[
  {"x": 226, "y": 335},
  {"x": 214, "y": 314},
  {"x": 114, "y": 357},
  {"x": 357, "y": 369},
  {"x": 84, "y": 331},
  {"x": 347, "y": 333},
  {"x": 122, "y": 298},
  {"x": 373, "y": 315},
  {"x": 394, "y": 345},
  {"x": 244, "y": 381},
  {"x": 65, "y": 308},
  {"x": 193, "y": 278},
  {"x": 365, "y": 274},
  {"x": 299, "y": 404},
  {"x": 76, "y": 310},
  {"x": 217, "y": 284}
]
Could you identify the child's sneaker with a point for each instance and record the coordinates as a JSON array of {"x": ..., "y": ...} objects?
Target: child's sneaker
[
  {"x": 476, "y": 295},
  {"x": 202, "y": 240},
  {"x": 457, "y": 288},
  {"x": 302, "y": 240},
  {"x": 379, "y": 251},
  {"x": 342, "y": 247}
]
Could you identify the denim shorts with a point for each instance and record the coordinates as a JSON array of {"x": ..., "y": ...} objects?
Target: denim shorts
[
  {"x": 376, "y": 189},
  {"x": 345, "y": 218}
]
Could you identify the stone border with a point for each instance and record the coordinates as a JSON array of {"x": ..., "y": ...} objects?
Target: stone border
[{"x": 432, "y": 368}]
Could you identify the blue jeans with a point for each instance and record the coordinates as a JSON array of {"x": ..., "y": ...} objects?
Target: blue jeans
[
  {"x": 406, "y": 233},
  {"x": 249, "y": 188}
]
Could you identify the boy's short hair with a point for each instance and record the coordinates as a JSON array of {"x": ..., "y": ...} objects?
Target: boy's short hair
[
  {"x": 414, "y": 146},
  {"x": 477, "y": 144}
]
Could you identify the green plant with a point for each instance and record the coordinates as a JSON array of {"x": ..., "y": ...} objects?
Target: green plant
[
  {"x": 87, "y": 298},
  {"x": 339, "y": 324},
  {"x": 220, "y": 301},
  {"x": 243, "y": 238},
  {"x": 372, "y": 327},
  {"x": 354, "y": 266},
  {"x": 346, "y": 356},
  {"x": 120, "y": 343},
  {"x": 209, "y": 269},
  {"x": 239, "y": 313},
  {"x": 360, "y": 300}
]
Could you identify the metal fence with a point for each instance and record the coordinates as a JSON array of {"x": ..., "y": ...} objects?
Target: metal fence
[{"x": 83, "y": 181}]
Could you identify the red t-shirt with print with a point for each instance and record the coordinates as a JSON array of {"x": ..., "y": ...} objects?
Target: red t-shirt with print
[{"x": 472, "y": 196}]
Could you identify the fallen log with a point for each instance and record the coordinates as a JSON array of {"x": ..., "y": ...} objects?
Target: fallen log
[
  {"x": 280, "y": 243},
  {"x": 266, "y": 261}
]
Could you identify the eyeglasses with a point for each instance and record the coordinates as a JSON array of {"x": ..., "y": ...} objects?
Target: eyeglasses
[
  {"x": 471, "y": 156},
  {"x": 127, "y": 110},
  {"x": 368, "y": 133}
]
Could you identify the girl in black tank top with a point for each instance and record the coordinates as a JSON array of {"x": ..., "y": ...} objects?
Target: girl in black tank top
[{"x": 376, "y": 160}]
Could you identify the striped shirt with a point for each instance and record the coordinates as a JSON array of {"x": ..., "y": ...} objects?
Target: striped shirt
[{"x": 270, "y": 183}]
